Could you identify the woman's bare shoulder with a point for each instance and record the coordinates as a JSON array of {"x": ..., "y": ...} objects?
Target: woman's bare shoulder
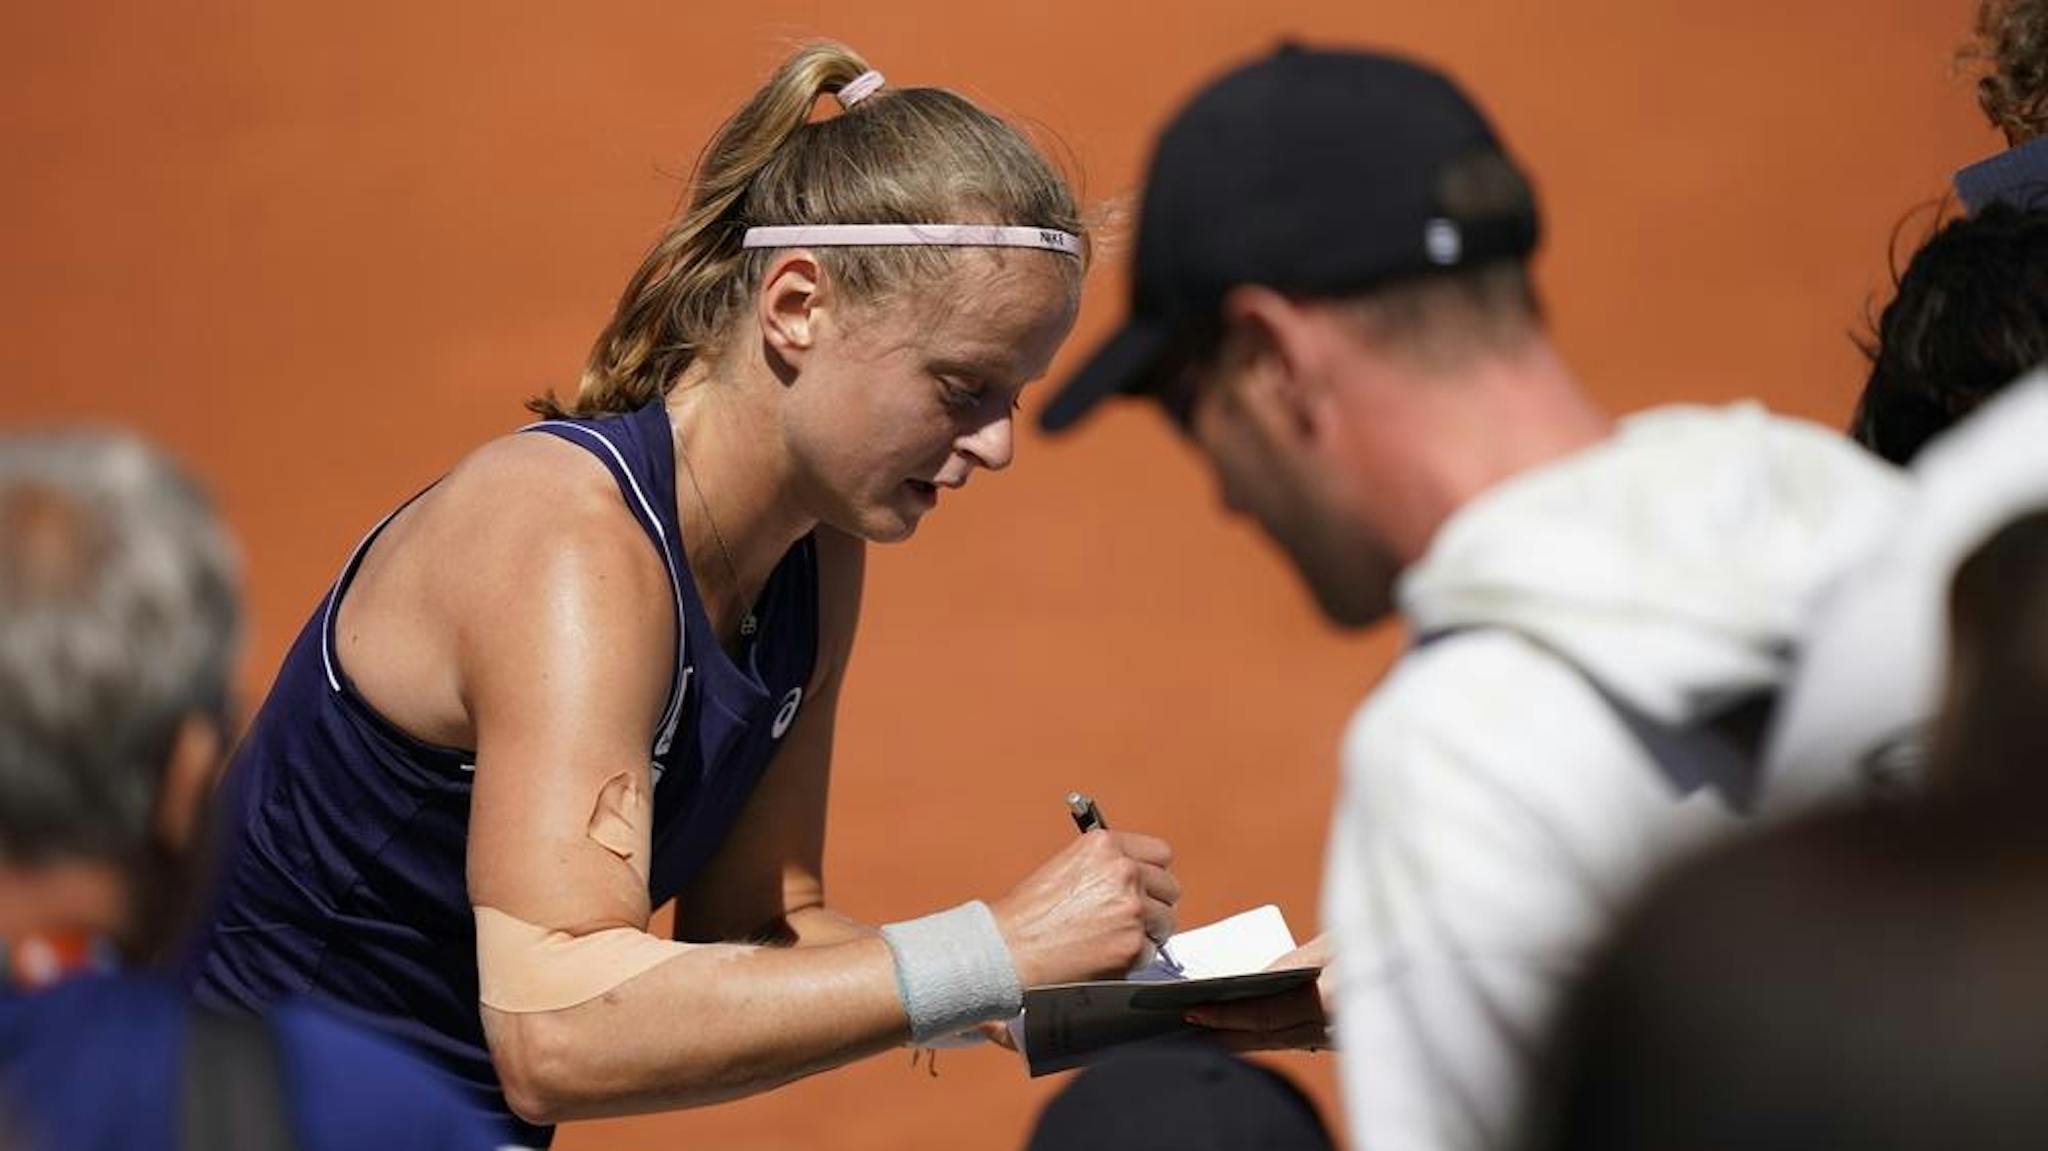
[{"x": 529, "y": 515}]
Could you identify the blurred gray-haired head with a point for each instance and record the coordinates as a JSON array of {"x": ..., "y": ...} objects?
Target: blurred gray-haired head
[{"x": 119, "y": 619}]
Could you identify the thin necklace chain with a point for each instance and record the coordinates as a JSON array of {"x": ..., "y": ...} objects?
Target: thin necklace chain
[{"x": 748, "y": 625}]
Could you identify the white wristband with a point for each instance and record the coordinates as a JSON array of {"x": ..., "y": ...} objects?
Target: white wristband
[{"x": 953, "y": 970}]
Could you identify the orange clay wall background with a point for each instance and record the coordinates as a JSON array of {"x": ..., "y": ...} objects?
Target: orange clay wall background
[{"x": 322, "y": 250}]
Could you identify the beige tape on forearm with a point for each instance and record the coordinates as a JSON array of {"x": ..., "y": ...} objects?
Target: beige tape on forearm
[{"x": 524, "y": 967}]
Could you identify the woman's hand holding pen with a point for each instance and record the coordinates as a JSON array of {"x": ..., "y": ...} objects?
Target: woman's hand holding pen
[{"x": 1091, "y": 911}]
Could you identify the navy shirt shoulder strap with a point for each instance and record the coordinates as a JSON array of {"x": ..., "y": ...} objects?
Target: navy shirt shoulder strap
[{"x": 637, "y": 449}]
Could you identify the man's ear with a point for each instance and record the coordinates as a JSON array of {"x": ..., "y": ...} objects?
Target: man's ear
[
  {"x": 1273, "y": 352},
  {"x": 791, "y": 293},
  {"x": 189, "y": 777}
]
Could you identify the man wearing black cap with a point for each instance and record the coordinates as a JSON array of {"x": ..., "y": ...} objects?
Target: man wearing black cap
[{"x": 1331, "y": 299}]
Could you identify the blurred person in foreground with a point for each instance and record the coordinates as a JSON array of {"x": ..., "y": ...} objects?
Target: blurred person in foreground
[
  {"x": 119, "y": 622},
  {"x": 1968, "y": 317},
  {"x": 1332, "y": 300},
  {"x": 1871, "y": 978},
  {"x": 1993, "y": 732},
  {"x": 1968, "y": 320}
]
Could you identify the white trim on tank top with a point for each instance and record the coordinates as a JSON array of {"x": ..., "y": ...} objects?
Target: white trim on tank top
[{"x": 674, "y": 714}]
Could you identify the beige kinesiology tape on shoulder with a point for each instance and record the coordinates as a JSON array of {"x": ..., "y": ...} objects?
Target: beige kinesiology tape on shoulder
[
  {"x": 525, "y": 967},
  {"x": 622, "y": 822}
]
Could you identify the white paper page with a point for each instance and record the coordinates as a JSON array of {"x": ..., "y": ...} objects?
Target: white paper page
[{"x": 1246, "y": 942}]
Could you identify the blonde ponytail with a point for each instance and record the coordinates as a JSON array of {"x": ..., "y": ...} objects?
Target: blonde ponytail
[
  {"x": 913, "y": 155},
  {"x": 673, "y": 305}
]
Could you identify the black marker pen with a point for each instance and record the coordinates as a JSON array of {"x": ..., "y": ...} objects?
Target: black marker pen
[{"x": 1087, "y": 816}]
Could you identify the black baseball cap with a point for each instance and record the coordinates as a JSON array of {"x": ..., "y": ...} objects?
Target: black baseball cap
[{"x": 1312, "y": 171}]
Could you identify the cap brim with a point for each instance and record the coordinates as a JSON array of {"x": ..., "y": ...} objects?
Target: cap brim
[{"x": 1121, "y": 365}]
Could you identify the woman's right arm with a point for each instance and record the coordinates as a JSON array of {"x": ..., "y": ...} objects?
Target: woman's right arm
[{"x": 565, "y": 658}]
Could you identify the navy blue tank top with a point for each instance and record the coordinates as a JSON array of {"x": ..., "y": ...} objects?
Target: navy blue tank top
[{"x": 344, "y": 875}]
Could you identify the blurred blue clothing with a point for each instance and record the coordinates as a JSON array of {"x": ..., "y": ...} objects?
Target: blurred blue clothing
[
  {"x": 2016, "y": 176},
  {"x": 93, "y": 1064}
]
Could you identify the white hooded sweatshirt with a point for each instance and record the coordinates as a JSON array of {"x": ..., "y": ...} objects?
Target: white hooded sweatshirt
[
  {"x": 1858, "y": 715},
  {"x": 1547, "y": 743}
]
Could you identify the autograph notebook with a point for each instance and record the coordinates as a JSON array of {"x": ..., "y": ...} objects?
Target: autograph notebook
[{"x": 1067, "y": 1025}]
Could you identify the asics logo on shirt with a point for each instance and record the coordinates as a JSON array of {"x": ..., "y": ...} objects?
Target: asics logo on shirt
[{"x": 787, "y": 715}]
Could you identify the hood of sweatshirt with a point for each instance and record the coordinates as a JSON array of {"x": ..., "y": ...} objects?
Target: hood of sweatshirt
[{"x": 1676, "y": 563}]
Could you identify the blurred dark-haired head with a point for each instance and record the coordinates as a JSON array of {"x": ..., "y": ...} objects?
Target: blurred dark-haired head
[
  {"x": 1970, "y": 315},
  {"x": 1876, "y": 979},
  {"x": 1993, "y": 733}
]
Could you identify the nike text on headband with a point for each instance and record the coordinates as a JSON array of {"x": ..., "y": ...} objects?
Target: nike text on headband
[{"x": 912, "y": 235}]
